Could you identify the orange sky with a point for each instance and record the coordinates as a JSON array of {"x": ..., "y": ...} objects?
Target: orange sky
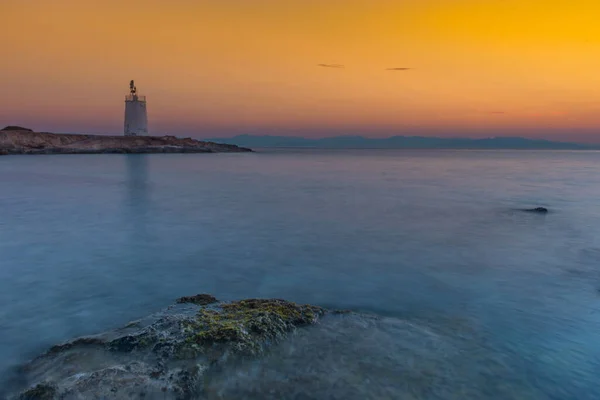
[{"x": 223, "y": 67}]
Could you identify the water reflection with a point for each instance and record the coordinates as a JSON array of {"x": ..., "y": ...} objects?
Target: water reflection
[{"x": 137, "y": 202}]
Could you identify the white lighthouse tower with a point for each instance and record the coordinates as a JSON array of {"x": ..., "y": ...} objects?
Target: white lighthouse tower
[{"x": 136, "y": 116}]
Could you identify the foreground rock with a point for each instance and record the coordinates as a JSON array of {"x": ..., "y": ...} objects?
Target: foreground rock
[
  {"x": 278, "y": 350},
  {"x": 17, "y": 140},
  {"x": 167, "y": 355}
]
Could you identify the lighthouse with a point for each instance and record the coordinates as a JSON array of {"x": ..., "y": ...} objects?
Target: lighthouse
[{"x": 136, "y": 116}]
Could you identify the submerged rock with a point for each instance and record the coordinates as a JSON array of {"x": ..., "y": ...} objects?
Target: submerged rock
[
  {"x": 167, "y": 354},
  {"x": 41, "y": 391}
]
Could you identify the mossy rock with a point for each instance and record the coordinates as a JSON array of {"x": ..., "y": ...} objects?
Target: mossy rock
[
  {"x": 248, "y": 325},
  {"x": 176, "y": 349}
]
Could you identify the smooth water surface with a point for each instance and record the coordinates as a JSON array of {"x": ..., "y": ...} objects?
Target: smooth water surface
[{"x": 90, "y": 242}]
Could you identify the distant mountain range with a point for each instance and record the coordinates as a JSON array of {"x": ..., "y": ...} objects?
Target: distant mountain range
[{"x": 401, "y": 142}]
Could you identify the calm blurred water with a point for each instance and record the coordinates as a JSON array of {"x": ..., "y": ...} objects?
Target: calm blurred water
[{"x": 88, "y": 243}]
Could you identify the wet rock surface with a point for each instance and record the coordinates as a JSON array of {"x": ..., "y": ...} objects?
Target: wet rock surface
[
  {"x": 17, "y": 140},
  {"x": 168, "y": 355}
]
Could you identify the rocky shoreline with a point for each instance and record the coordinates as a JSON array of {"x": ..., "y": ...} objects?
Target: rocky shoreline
[
  {"x": 18, "y": 140},
  {"x": 168, "y": 355}
]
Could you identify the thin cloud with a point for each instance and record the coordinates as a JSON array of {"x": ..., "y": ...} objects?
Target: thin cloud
[
  {"x": 331, "y": 65},
  {"x": 398, "y": 69},
  {"x": 497, "y": 112}
]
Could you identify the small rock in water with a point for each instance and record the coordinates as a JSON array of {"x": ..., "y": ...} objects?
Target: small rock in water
[
  {"x": 539, "y": 210},
  {"x": 199, "y": 299}
]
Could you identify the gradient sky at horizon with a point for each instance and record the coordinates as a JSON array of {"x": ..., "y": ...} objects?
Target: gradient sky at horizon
[{"x": 223, "y": 67}]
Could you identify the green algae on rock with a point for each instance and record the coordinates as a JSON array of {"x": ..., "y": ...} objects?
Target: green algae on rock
[{"x": 248, "y": 324}]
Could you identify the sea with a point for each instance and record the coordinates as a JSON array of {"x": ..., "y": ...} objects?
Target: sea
[{"x": 507, "y": 302}]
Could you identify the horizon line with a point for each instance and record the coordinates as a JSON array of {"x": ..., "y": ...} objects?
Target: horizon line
[{"x": 399, "y": 136}]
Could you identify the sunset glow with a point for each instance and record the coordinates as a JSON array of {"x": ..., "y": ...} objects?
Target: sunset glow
[{"x": 223, "y": 67}]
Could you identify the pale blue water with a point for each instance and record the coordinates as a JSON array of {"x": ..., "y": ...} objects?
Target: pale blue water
[{"x": 88, "y": 243}]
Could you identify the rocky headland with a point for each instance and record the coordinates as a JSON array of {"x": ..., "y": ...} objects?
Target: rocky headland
[{"x": 18, "y": 140}]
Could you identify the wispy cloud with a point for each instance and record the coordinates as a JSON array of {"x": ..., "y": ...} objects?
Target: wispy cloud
[
  {"x": 398, "y": 69},
  {"x": 496, "y": 112},
  {"x": 331, "y": 65}
]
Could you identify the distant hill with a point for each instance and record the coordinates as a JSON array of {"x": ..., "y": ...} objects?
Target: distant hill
[{"x": 401, "y": 142}]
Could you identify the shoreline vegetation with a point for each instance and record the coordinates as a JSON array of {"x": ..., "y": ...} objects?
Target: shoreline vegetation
[{"x": 18, "y": 140}]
